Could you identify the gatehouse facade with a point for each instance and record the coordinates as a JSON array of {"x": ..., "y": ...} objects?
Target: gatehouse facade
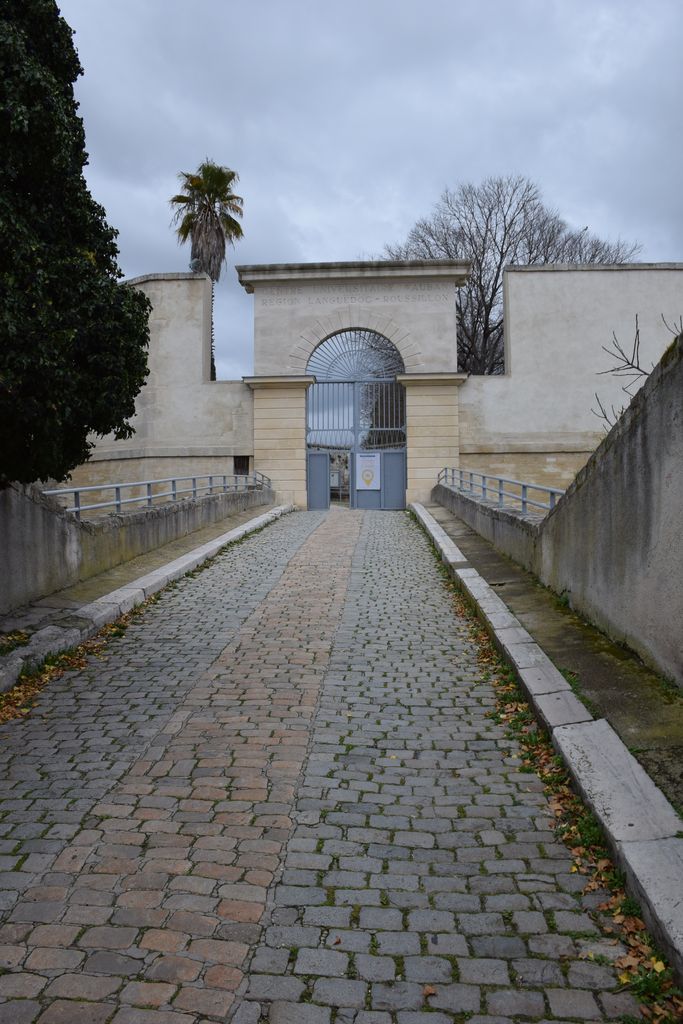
[
  {"x": 355, "y": 396},
  {"x": 354, "y": 360}
]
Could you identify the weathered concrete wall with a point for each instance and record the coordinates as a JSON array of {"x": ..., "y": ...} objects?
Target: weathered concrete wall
[
  {"x": 517, "y": 536},
  {"x": 557, "y": 318},
  {"x": 45, "y": 549},
  {"x": 183, "y": 421},
  {"x": 40, "y": 550},
  {"x": 614, "y": 542}
]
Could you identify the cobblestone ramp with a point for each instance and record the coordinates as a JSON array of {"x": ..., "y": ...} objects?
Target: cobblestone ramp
[
  {"x": 131, "y": 795},
  {"x": 422, "y": 882},
  {"x": 279, "y": 799}
]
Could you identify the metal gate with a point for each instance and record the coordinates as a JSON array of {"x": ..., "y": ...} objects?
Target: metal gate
[
  {"x": 318, "y": 479},
  {"x": 365, "y": 418}
]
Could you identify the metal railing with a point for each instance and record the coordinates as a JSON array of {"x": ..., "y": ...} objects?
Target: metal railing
[
  {"x": 491, "y": 488},
  {"x": 217, "y": 483}
]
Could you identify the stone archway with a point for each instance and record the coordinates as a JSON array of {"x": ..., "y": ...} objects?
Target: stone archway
[{"x": 356, "y": 421}]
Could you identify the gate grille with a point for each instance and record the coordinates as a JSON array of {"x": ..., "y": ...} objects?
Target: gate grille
[
  {"x": 357, "y": 403},
  {"x": 358, "y": 415}
]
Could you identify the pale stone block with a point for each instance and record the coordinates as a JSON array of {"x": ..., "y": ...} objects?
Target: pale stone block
[
  {"x": 295, "y": 438},
  {"x": 560, "y": 708},
  {"x": 446, "y": 429},
  {"x": 424, "y": 457},
  {"x": 538, "y": 680}
]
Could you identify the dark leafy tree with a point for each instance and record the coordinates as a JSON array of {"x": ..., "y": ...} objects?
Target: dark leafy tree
[
  {"x": 73, "y": 340},
  {"x": 206, "y": 212},
  {"x": 502, "y": 222}
]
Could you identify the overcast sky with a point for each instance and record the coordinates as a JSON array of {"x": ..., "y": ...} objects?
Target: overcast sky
[{"x": 345, "y": 121}]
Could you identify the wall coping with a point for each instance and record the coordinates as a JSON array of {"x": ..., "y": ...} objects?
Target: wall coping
[
  {"x": 153, "y": 451},
  {"x": 431, "y": 378},
  {"x": 583, "y": 267},
  {"x": 286, "y": 380},
  {"x": 253, "y": 274},
  {"x": 171, "y": 275}
]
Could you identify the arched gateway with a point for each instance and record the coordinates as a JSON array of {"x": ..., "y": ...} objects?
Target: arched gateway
[
  {"x": 356, "y": 422},
  {"x": 355, "y": 386}
]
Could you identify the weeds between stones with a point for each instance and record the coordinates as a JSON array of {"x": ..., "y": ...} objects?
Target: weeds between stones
[
  {"x": 643, "y": 971},
  {"x": 10, "y": 641},
  {"x": 23, "y": 697}
]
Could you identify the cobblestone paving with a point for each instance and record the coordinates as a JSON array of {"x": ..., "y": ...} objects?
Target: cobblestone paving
[
  {"x": 278, "y": 798},
  {"x": 422, "y": 881}
]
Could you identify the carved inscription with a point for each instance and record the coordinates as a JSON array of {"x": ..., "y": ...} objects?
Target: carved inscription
[{"x": 355, "y": 294}]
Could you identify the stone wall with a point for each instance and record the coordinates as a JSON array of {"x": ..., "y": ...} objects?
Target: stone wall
[
  {"x": 432, "y": 430},
  {"x": 280, "y": 437},
  {"x": 614, "y": 542},
  {"x": 535, "y": 421},
  {"x": 184, "y": 422},
  {"x": 45, "y": 548},
  {"x": 551, "y": 469}
]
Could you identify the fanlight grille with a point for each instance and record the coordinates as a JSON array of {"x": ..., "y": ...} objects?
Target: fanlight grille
[{"x": 356, "y": 355}]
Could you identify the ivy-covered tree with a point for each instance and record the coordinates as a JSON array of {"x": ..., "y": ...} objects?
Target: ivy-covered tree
[{"x": 73, "y": 339}]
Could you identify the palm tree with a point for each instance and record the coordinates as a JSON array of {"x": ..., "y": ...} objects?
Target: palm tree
[{"x": 205, "y": 212}]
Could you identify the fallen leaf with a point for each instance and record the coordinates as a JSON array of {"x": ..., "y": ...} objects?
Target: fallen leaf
[
  {"x": 428, "y": 990},
  {"x": 628, "y": 961}
]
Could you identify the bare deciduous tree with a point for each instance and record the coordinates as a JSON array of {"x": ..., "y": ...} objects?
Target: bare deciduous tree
[
  {"x": 627, "y": 366},
  {"x": 499, "y": 223}
]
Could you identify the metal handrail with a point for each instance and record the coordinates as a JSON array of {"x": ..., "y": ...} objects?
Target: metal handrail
[
  {"x": 217, "y": 484},
  {"x": 491, "y": 487}
]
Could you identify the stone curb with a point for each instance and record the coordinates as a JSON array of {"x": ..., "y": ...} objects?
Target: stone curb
[
  {"x": 85, "y": 621},
  {"x": 643, "y": 830}
]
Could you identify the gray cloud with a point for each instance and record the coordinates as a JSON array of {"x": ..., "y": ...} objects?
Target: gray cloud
[{"x": 346, "y": 121}]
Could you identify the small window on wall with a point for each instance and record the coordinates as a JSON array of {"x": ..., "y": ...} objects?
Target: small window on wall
[{"x": 241, "y": 465}]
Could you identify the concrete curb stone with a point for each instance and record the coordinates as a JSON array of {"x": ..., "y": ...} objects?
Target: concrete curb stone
[
  {"x": 450, "y": 553},
  {"x": 633, "y": 808},
  {"x": 560, "y": 708},
  {"x": 10, "y": 670},
  {"x": 539, "y": 681},
  {"x": 643, "y": 830},
  {"x": 655, "y": 871},
  {"x": 54, "y": 639}
]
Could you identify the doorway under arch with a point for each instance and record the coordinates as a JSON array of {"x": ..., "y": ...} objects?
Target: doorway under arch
[{"x": 356, "y": 422}]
